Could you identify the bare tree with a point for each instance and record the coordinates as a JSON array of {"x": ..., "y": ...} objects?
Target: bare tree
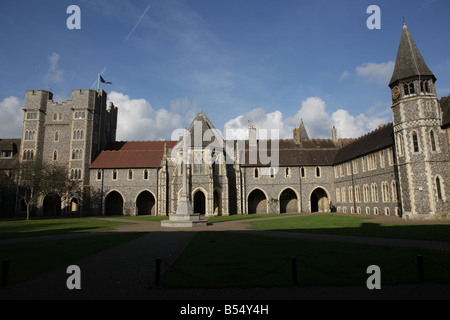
[{"x": 37, "y": 179}]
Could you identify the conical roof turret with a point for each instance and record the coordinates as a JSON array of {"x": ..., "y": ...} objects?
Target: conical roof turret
[{"x": 409, "y": 62}]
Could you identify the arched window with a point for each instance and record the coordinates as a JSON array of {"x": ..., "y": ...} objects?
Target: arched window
[
  {"x": 145, "y": 174},
  {"x": 56, "y": 136},
  {"x": 433, "y": 141},
  {"x": 439, "y": 189},
  {"x": 318, "y": 172},
  {"x": 114, "y": 174},
  {"x": 288, "y": 172},
  {"x": 99, "y": 174},
  {"x": 411, "y": 88},
  {"x": 130, "y": 174},
  {"x": 394, "y": 191},
  {"x": 55, "y": 155},
  {"x": 406, "y": 89},
  {"x": 256, "y": 173},
  {"x": 415, "y": 142},
  {"x": 302, "y": 172},
  {"x": 400, "y": 144},
  {"x": 424, "y": 87}
]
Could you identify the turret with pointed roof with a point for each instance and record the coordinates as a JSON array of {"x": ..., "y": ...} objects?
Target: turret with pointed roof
[
  {"x": 422, "y": 156},
  {"x": 409, "y": 62},
  {"x": 300, "y": 133}
]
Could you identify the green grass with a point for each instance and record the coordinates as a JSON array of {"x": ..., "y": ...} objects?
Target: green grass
[
  {"x": 142, "y": 218},
  {"x": 52, "y": 226},
  {"x": 225, "y": 259},
  {"x": 247, "y": 217},
  {"x": 355, "y": 226},
  {"x": 29, "y": 259},
  {"x": 221, "y": 259}
]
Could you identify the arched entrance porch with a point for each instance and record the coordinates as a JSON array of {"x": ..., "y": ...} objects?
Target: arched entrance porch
[
  {"x": 319, "y": 200},
  {"x": 114, "y": 204},
  {"x": 145, "y": 204},
  {"x": 199, "y": 202},
  {"x": 257, "y": 202},
  {"x": 288, "y": 201}
]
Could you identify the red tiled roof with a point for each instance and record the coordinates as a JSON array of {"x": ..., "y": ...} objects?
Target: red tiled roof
[{"x": 132, "y": 154}]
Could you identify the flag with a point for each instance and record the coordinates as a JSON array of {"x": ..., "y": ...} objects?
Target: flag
[{"x": 103, "y": 80}]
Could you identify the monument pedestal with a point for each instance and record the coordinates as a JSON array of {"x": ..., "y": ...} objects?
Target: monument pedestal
[{"x": 184, "y": 216}]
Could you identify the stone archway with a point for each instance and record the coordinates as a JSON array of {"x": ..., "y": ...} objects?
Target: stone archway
[
  {"x": 51, "y": 205},
  {"x": 319, "y": 200},
  {"x": 74, "y": 205},
  {"x": 288, "y": 201},
  {"x": 145, "y": 204},
  {"x": 199, "y": 202},
  {"x": 217, "y": 203},
  {"x": 114, "y": 204},
  {"x": 257, "y": 202}
]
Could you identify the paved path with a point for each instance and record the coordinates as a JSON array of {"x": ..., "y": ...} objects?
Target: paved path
[{"x": 127, "y": 271}]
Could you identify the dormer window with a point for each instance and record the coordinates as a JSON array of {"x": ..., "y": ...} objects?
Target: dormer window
[{"x": 7, "y": 154}]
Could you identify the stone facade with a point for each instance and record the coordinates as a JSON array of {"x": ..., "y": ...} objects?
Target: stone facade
[
  {"x": 401, "y": 168},
  {"x": 70, "y": 133}
]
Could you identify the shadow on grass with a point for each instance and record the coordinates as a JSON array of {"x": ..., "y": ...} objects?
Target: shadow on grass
[
  {"x": 55, "y": 226},
  {"x": 355, "y": 226},
  {"x": 228, "y": 259}
]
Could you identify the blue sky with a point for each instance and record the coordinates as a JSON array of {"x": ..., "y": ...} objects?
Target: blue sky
[{"x": 267, "y": 62}]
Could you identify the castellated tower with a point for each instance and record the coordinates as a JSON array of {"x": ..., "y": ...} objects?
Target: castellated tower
[
  {"x": 421, "y": 147},
  {"x": 71, "y": 133}
]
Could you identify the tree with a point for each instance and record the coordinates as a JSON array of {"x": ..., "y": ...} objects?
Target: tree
[{"x": 37, "y": 179}]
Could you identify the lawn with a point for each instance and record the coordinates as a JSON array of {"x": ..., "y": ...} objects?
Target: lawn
[
  {"x": 29, "y": 259},
  {"x": 52, "y": 226},
  {"x": 221, "y": 259},
  {"x": 226, "y": 259},
  {"x": 355, "y": 226}
]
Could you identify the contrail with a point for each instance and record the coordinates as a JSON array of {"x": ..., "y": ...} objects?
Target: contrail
[{"x": 132, "y": 30}]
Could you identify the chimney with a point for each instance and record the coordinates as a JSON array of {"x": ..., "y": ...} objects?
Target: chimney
[
  {"x": 252, "y": 136},
  {"x": 334, "y": 133}
]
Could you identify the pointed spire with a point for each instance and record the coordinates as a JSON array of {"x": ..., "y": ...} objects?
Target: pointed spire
[
  {"x": 409, "y": 62},
  {"x": 300, "y": 133},
  {"x": 303, "y": 133}
]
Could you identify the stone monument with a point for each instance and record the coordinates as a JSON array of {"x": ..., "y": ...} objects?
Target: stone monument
[{"x": 185, "y": 216}]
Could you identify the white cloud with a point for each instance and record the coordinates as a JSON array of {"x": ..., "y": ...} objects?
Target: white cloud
[
  {"x": 54, "y": 74},
  {"x": 11, "y": 119},
  {"x": 349, "y": 126},
  {"x": 317, "y": 121},
  {"x": 379, "y": 73},
  {"x": 137, "y": 120},
  {"x": 313, "y": 113},
  {"x": 344, "y": 75},
  {"x": 316, "y": 118},
  {"x": 237, "y": 128}
]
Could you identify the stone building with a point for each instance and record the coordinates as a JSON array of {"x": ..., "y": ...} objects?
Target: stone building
[
  {"x": 401, "y": 168},
  {"x": 70, "y": 133}
]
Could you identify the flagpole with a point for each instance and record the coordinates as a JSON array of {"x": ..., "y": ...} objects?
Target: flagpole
[{"x": 98, "y": 80}]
